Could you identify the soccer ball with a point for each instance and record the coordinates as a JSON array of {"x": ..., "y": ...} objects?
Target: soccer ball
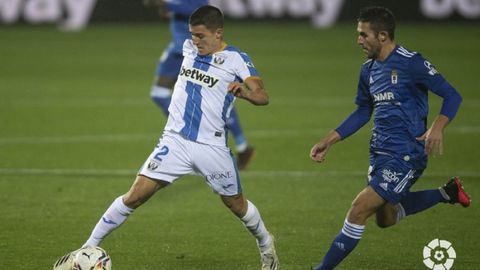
[{"x": 92, "y": 258}]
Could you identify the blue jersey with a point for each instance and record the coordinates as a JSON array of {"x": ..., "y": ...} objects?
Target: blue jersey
[
  {"x": 395, "y": 91},
  {"x": 180, "y": 11}
]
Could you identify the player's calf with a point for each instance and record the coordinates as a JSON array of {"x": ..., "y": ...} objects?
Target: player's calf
[{"x": 386, "y": 216}]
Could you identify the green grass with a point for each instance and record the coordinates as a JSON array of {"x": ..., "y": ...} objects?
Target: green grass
[{"x": 76, "y": 122}]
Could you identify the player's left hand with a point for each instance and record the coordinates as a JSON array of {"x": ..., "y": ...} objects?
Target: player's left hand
[{"x": 433, "y": 142}]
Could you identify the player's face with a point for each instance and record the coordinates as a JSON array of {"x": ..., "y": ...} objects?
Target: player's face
[
  {"x": 368, "y": 40},
  {"x": 207, "y": 41}
]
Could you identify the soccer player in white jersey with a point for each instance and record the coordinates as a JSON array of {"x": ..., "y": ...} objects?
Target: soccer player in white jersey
[
  {"x": 170, "y": 64},
  {"x": 194, "y": 140}
]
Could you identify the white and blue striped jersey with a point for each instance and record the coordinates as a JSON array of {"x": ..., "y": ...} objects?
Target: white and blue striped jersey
[{"x": 200, "y": 102}]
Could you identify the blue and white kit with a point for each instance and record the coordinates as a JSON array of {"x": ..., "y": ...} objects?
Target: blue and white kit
[
  {"x": 395, "y": 91},
  {"x": 195, "y": 136}
]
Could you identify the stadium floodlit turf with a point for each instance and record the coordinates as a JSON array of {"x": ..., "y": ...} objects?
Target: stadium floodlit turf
[{"x": 76, "y": 122}]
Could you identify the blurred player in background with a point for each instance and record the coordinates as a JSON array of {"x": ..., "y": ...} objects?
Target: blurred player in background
[
  {"x": 170, "y": 63},
  {"x": 194, "y": 139},
  {"x": 393, "y": 86}
]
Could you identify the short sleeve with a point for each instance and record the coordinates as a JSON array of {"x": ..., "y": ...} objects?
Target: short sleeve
[{"x": 244, "y": 66}]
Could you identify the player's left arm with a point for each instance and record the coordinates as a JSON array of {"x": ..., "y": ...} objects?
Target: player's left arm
[
  {"x": 251, "y": 89},
  {"x": 434, "y": 136},
  {"x": 427, "y": 75}
]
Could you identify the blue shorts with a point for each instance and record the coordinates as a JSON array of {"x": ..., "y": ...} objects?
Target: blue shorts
[
  {"x": 391, "y": 178},
  {"x": 170, "y": 63}
]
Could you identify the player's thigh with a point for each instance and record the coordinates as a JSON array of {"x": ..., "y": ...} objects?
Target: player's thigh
[
  {"x": 392, "y": 178},
  {"x": 217, "y": 165},
  {"x": 367, "y": 202},
  {"x": 169, "y": 160}
]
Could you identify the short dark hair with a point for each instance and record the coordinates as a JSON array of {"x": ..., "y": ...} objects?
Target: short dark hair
[
  {"x": 380, "y": 19},
  {"x": 210, "y": 16}
]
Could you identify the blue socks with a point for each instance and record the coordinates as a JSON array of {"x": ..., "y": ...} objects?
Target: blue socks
[
  {"x": 351, "y": 234},
  {"x": 418, "y": 201},
  {"x": 343, "y": 244}
]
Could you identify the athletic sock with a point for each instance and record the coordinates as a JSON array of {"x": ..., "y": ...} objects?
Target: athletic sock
[
  {"x": 162, "y": 96},
  {"x": 343, "y": 244},
  {"x": 233, "y": 124},
  {"x": 418, "y": 201},
  {"x": 115, "y": 215},
  {"x": 254, "y": 223}
]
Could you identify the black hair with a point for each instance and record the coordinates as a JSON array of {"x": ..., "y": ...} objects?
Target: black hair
[
  {"x": 380, "y": 19},
  {"x": 210, "y": 16}
]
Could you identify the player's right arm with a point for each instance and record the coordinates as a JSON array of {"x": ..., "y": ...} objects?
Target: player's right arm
[{"x": 319, "y": 150}]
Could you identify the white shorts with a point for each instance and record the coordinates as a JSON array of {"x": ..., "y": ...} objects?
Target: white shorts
[{"x": 175, "y": 156}]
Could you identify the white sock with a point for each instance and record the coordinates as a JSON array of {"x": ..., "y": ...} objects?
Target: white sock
[
  {"x": 241, "y": 147},
  {"x": 254, "y": 223},
  {"x": 160, "y": 92},
  {"x": 115, "y": 215}
]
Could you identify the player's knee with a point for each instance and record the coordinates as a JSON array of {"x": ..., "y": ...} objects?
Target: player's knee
[
  {"x": 236, "y": 204},
  {"x": 358, "y": 213},
  {"x": 141, "y": 191},
  {"x": 235, "y": 207},
  {"x": 132, "y": 200}
]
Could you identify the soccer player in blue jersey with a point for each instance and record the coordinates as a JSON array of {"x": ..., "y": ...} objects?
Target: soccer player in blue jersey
[
  {"x": 393, "y": 86},
  {"x": 213, "y": 74},
  {"x": 169, "y": 67}
]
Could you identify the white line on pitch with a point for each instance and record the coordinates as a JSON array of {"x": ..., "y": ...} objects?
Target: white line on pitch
[
  {"x": 259, "y": 173},
  {"x": 267, "y": 133}
]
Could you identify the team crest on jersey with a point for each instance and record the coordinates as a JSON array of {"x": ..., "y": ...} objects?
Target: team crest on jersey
[
  {"x": 153, "y": 165},
  {"x": 394, "y": 76},
  {"x": 219, "y": 59},
  {"x": 198, "y": 76}
]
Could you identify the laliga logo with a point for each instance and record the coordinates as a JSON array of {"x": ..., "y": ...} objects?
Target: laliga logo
[{"x": 439, "y": 255}]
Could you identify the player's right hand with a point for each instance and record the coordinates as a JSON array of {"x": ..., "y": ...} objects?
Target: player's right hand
[
  {"x": 319, "y": 152},
  {"x": 236, "y": 89}
]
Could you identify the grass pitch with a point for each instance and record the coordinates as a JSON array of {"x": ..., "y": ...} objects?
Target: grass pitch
[{"x": 76, "y": 122}]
